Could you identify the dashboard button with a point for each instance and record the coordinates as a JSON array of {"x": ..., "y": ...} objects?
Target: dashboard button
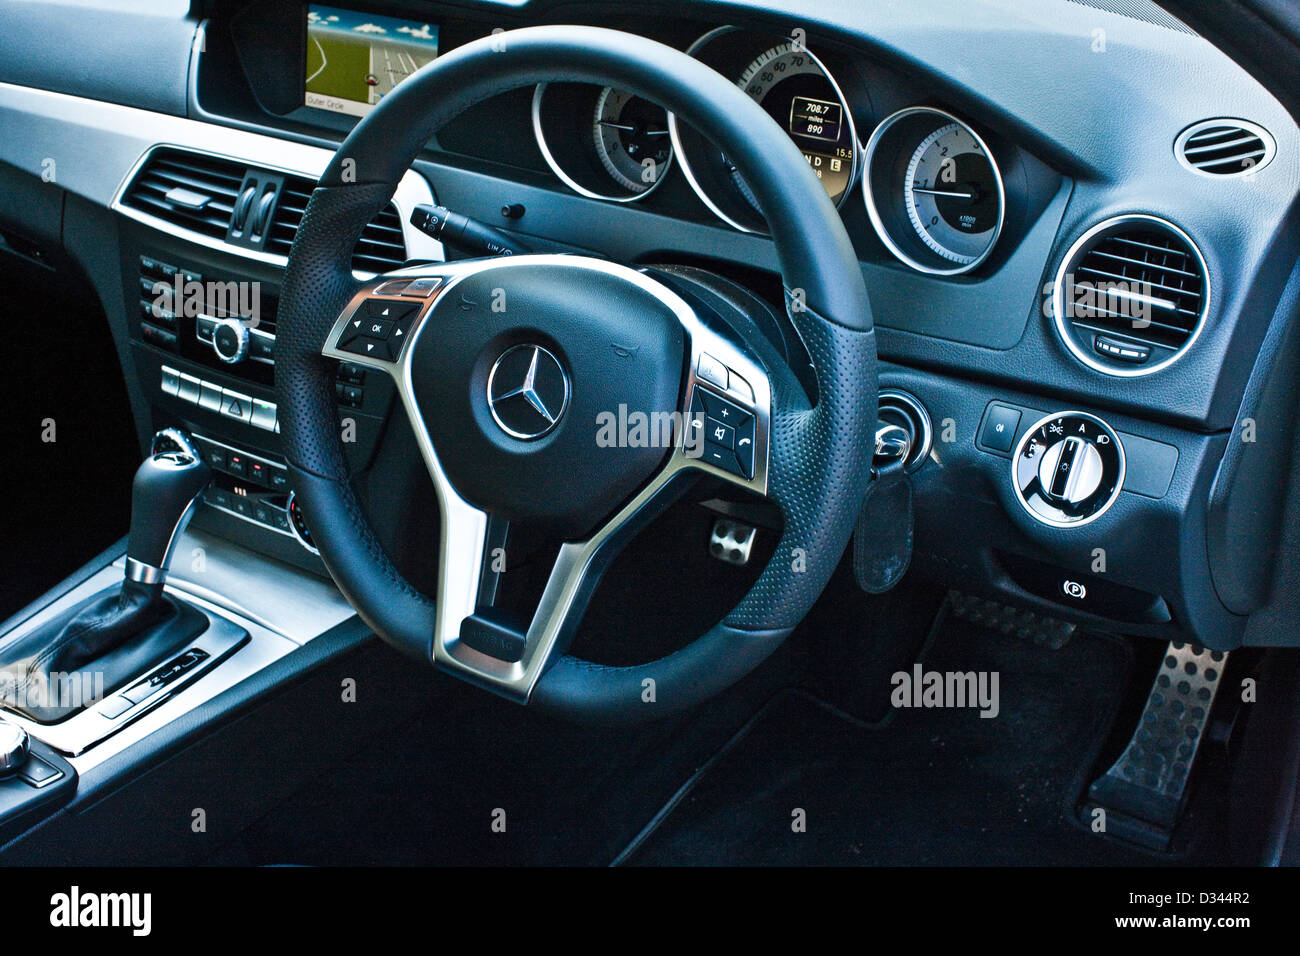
[
  {"x": 999, "y": 431},
  {"x": 236, "y": 405},
  {"x": 263, "y": 415},
  {"x": 189, "y": 389},
  {"x": 171, "y": 380},
  {"x": 210, "y": 396}
]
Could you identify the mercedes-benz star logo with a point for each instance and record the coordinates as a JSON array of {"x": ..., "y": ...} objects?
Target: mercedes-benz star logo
[{"x": 527, "y": 391}]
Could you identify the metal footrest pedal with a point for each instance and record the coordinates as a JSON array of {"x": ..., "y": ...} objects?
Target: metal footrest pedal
[
  {"x": 1145, "y": 790},
  {"x": 1042, "y": 630},
  {"x": 732, "y": 541}
]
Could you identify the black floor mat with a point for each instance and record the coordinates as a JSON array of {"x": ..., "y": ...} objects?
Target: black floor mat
[{"x": 929, "y": 786}]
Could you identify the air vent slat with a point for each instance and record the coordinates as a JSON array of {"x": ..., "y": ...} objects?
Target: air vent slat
[
  {"x": 1252, "y": 141},
  {"x": 1137, "y": 277}
]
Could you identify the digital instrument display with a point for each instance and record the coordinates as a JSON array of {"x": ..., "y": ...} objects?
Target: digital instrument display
[
  {"x": 796, "y": 91},
  {"x": 816, "y": 119},
  {"x": 355, "y": 59}
]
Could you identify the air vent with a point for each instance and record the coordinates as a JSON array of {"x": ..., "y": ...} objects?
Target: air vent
[
  {"x": 201, "y": 193},
  {"x": 381, "y": 246},
  {"x": 1224, "y": 147},
  {"x": 190, "y": 190},
  {"x": 1131, "y": 295}
]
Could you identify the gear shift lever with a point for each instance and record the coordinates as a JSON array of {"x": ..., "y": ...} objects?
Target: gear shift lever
[
  {"x": 163, "y": 497},
  {"x": 117, "y": 634}
]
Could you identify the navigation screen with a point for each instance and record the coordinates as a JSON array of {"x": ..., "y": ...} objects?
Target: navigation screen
[{"x": 354, "y": 59}]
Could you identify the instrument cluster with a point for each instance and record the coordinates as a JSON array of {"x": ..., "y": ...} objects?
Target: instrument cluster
[{"x": 928, "y": 179}]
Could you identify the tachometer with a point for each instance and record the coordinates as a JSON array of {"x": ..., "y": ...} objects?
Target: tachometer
[{"x": 933, "y": 191}]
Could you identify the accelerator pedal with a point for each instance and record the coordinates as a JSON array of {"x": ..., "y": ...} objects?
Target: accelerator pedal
[{"x": 1145, "y": 790}]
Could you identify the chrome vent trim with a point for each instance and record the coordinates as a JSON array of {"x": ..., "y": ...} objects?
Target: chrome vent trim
[
  {"x": 1225, "y": 148},
  {"x": 1138, "y": 281}
]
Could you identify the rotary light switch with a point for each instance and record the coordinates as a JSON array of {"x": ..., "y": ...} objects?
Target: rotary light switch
[{"x": 1068, "y": 469}]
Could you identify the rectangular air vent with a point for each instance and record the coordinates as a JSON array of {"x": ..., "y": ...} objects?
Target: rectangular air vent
[
  {"x": 381, "y": 247},
  {"x": 202, "y": 194},
  {"x": 190, "y": 190}
]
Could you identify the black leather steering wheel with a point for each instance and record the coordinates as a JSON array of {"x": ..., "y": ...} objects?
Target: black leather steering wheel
[{"x": 617, "y": 336}]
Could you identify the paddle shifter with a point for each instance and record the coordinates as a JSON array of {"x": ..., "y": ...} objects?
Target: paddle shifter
[{"x": 119, "y": 633}]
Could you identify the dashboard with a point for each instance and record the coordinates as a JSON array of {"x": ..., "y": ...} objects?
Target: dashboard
[{"x": 1068, "y": 215}]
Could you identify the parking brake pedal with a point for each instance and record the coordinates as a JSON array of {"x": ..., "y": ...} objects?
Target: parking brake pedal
[
  {"x": 1144, "y": 791},
  {"x": 732, "y": 541}
]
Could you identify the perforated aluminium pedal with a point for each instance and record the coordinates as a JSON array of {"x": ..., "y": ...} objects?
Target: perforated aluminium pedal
[
  {"x": 1027, "y": 625},
  {"x": 1144, "y": 791},
  {"x": 732, "y": 541}
]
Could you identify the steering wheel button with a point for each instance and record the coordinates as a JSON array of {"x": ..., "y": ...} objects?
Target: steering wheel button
[
  {"x": 371, "y": 348},
  {"x": 393, "y": 287},
  {"x": 712, "y": 371},
  {"x": 724, "y": 458},
  {"x": 389, "y": 311},
  {"x": 740, "y": 387},
  {"x": 744, "y": 446},
  {"x": 423, "y": 287},
  {"x": 721, "y": 410},
  {"x": 377, "y": 328},
  {"x": 719, "y": 434}
]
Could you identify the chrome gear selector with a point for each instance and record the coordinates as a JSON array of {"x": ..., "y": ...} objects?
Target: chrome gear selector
[{"x": 1068, "y": 468}]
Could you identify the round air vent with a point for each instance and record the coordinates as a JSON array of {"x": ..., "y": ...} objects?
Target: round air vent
[
  {"x": 1131, "y": 295},
  {"x": 1224, "y": 147}
]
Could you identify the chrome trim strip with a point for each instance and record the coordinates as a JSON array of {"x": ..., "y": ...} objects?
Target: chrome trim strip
[
  {"x": 464, "y": 527},
  {"x": 143, "y": 573},
  {"x": 1058, "y": 298},
  {"x": 877, "y": 222},
  {"x": 568, "y": 180},
  {"x": 684, "y": 162},
  {"x": 1020, "y": 447}
]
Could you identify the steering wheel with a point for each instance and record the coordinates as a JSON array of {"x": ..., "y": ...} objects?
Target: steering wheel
[{"x": 507, "y": 367}]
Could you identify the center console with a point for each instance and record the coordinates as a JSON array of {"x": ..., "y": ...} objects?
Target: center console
[{"x": 234, "y": 583}]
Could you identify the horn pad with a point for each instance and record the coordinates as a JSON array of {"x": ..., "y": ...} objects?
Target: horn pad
[{"x": 526, "y": 377}]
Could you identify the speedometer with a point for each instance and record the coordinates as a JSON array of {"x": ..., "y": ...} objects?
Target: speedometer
[
  {"x": 933, "y": 191},
  {"x": 795, "y": 88},
  {"x": 789, "y": 83}
]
